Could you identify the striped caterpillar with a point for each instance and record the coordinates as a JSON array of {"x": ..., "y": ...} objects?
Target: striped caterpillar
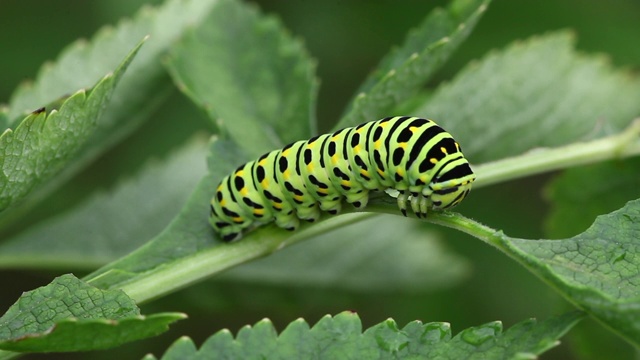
[{"x": 412, "y": 155}]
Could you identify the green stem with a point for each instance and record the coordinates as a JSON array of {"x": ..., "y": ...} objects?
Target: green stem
[
  {"x": 538, "y": 161},
  {"x": 180, "y": 273},
  {"x": 265, "y": 240}
]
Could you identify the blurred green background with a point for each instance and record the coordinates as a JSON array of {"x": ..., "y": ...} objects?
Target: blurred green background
[{"x": 347, "y": 38}]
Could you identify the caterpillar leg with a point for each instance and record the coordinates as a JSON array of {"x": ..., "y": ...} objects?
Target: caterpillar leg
[
  {"x": 420, "y": 205},
  {"x": 310, "y": 212},
  {"x": 403, "y": 197},
  {"x": 424, "y": 205},
  {"x": 358, "y": 199},
  {"x": 332, "y": 207},
  {"x": 415, "y": 204},
  {"x": 232, "y": 236},
  {"x": 228, "y": 232},
  {"x": 287, "y": 221}
]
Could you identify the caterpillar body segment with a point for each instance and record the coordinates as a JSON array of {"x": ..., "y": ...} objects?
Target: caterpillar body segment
[{"x": 412, "y": 155}]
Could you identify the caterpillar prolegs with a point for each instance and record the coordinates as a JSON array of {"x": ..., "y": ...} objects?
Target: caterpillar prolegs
[{"x": 412, "y": 155}]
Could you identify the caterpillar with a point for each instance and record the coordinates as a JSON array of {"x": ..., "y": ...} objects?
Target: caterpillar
[{"x": 412, "y": 155}]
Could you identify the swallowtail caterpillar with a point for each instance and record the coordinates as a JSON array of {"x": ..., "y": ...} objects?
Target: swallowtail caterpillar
[{"x": 412, "y": 155}]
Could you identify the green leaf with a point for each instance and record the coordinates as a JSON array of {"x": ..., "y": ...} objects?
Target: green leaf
[
  {"x": 341, "y": 337},
  {"x": 579, "y": 195},
  {"x": 535, "y": 93},
  {"x": 140, "y": 92},
  {"x": 388, "y": 254},
  {"x": 109, "y": 225},
  {"x": 69, "y": 315},
  {"x": 598, "y": 270},
  {"x": 43, "y": 144},
  {"x": 84, "y": 335},
  {"x": 245, "y": 70},
  {"x": 402, "y": 73}
]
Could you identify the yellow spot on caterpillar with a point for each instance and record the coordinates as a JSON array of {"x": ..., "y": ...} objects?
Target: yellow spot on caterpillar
[
  {"x": 377, "y": 144},
  {"x": 286, "y": 174},
  {"x": 240, "y": 173},
  {"x": 380, "y": 172},
  {"x": 334, "y": 159},
  {"x": 400, "y": 172},
  {"x": 356, "y": 148},
  {"x": 258, "y": 211},
  {"x": 263, "y": 162},
  {"x": 345, "y": 182},
  {"x": 323, "y": 191},
  {"x": 244, "y": 191},
  {"x": 365, "y": 173},
  {"x": 457, "y": 146},
  {"x": 265, "y": 183},
  {"x": 403, "y": 145},
  {"x": 433, "y": 160},
  {"x": 237, "y": 219},
  {"x": 277, "y": 205},
  {"x": 310, "y": 167},
  {"x": 444, "y": 150},
  {"x": 298, "y": 197}
]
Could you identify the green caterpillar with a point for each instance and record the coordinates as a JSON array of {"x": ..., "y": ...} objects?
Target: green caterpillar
[{"x": 412, "y": 155}]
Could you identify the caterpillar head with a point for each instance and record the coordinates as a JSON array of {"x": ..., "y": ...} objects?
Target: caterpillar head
[{"x": 452, "y": 184}]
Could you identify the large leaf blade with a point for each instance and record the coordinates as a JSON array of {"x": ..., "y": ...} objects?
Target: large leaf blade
[
  {"x": 598, "y": 270},
  {"x": 247, "y": 72}
]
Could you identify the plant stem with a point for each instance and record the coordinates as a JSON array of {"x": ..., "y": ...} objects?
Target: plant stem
[
  {"x": 536, "y": 161},
  {"x": 180, "y": 273}
]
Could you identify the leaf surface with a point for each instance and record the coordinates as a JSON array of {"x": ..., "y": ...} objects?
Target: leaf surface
[
  {"x": 598, "y": 270},
  {"x": 246, "y": 71}
]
